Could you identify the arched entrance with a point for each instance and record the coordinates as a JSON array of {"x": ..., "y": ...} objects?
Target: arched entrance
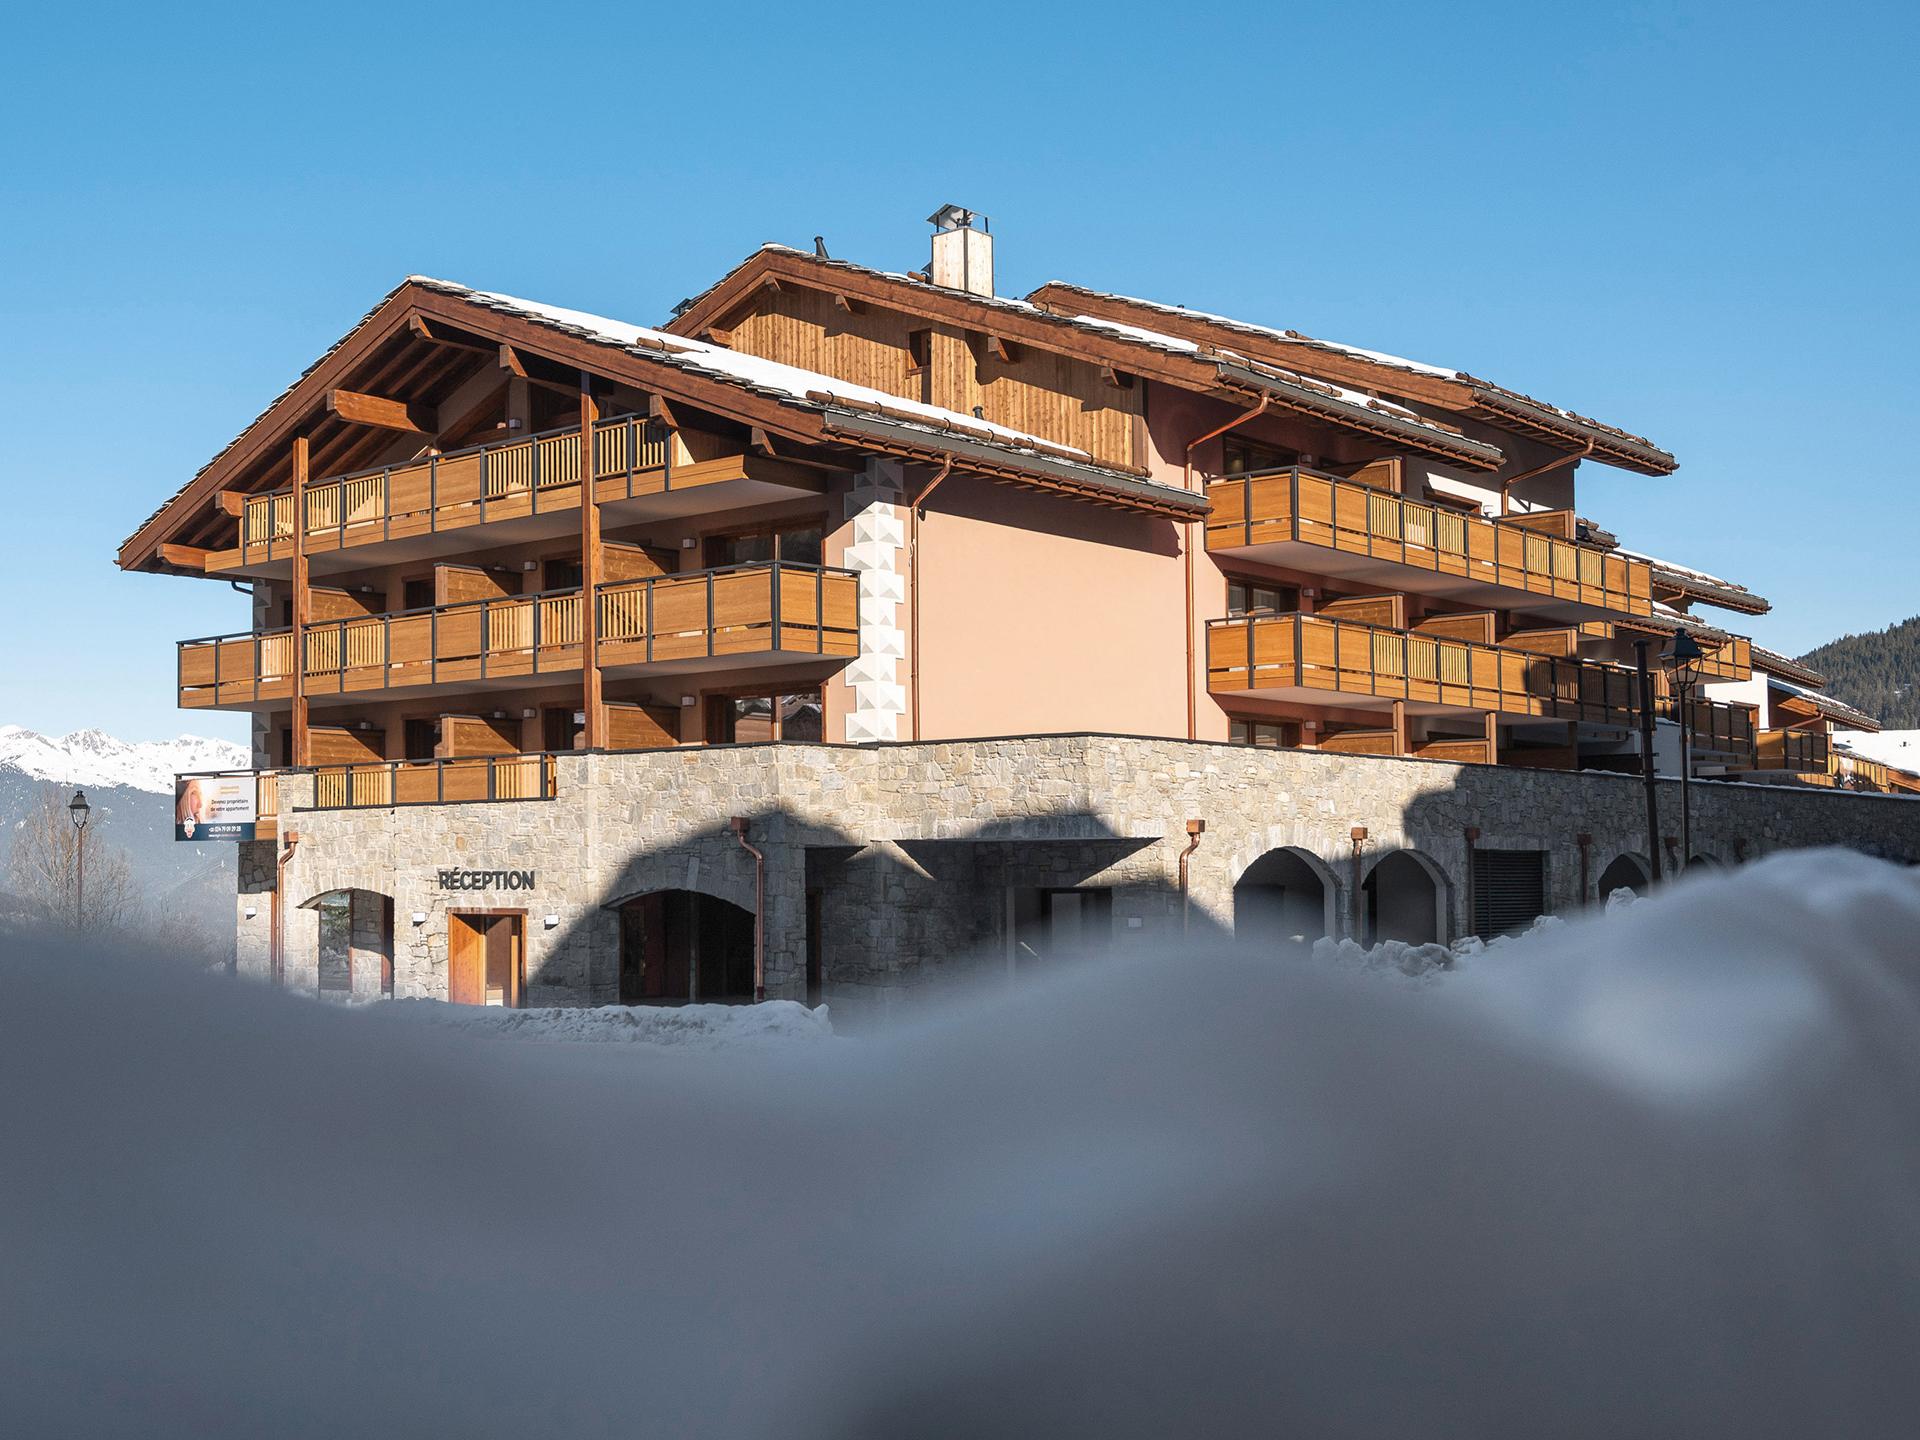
[
  {"x": 355, "y": 958},
  {"x": 1284, "y": 897},
  {"x": 678, "y": 946},
  {"x": 1627, "y": 872},
  {"x": 1402, "y": 900},
  {"x": 1705, "y": 862}
]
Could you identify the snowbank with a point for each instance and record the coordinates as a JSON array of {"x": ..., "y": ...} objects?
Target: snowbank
[
  {"x": 685, "y": 1027},
  {"x": 1655, "y": 1174}
]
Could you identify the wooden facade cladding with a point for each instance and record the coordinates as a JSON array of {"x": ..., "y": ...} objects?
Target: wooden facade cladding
[
  {"x": 1063, "y": 399},
  {"x": 1805, "y": 751},
  {"x": 701, "y": 615},
  {"x": 511, "y": 480},
  {"x": 1373, "y": 526},
  {"x": 1294, "y": 656}
]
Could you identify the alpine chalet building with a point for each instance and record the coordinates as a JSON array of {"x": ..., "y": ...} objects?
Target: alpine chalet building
[{"x": 856, "y": 630}]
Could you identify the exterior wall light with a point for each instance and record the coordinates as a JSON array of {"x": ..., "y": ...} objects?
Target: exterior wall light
[
  {"x": 552, "y": 922},
  {"x": 419, "y": 917}
]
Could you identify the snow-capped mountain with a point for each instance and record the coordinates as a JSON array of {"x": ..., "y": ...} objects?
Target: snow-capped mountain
[{"x": 93, "y": 757}]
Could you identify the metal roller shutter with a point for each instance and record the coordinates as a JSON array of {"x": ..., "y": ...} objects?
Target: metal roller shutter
[{"x": 1509, "y": 890}]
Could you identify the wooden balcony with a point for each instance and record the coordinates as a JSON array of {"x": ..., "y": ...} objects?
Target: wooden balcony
[
  {"x": 1308, "y": 658},
  {"x": 1802, "y": 751},
  {"x": 1717, "y": 728},
  {"x": 1308, "y": 521},
  {"x": 472, "y": 779},
  {"x": 708, "y": 619},
  {"x": 526, "y": 488}
]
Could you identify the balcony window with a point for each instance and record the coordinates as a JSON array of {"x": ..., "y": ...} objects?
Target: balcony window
[
  {"x": 1264, "y": 734},
  {"x": 755, "y": 719},
  {"x": 796, "y": 545},
  {"x": 1247, "y": 597},
  {"x": 1241, "y": 457}
]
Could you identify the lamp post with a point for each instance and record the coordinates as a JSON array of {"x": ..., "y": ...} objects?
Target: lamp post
[
  {"x": 1644, "y": 694},
  {"x": 79, "y": 810},
  {"x": 1682, "y": 662}
]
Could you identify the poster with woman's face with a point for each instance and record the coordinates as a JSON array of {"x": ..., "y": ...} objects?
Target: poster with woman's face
[{"x": 214, "y": 807}]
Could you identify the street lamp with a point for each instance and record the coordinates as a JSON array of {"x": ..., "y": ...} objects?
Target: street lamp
[
  {"x": 1682, "y": 662},
  {"x": 79, "y": 810}
]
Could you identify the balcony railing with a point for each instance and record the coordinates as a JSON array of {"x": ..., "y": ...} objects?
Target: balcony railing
[
  {"x": 733, "y": 610},
  {"x": 1717, "y": 727},
  {"x": 1805, "y": 751},
  {"x": 1311, "y": 652},
  {"x": 506, "y": 480},
  {"x": 464, "y": 780},
  {"x": 1304, "y": 507}
]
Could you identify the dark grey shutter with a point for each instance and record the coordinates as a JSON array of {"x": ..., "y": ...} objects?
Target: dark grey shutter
[{"x": 1509, "y": 890}]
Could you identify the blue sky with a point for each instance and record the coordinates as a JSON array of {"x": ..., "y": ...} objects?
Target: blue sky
[{"x": 1694, "y": 221}]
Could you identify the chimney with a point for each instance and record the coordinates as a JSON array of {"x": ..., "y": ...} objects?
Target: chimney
[{"x": 962, "y": 255}]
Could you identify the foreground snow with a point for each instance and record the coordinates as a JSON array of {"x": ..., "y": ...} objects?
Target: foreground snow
[
  {"x": 1655, "y": 1174},
  {"x": 683, "y": 1027}
]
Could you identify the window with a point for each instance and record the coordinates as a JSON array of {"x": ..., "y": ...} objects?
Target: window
[
  {"x": 756, "y": 719},
  {"x": 801, "y": 544},
  {"x": 919, "y": 350},
  {"x": 562, "y": 574},
  {"x": 1251, "y": 597},
  {"x": 1264, "y": 734},
  {"x": 1242, "y": 458},
  {"x": 417, "y": 593}
]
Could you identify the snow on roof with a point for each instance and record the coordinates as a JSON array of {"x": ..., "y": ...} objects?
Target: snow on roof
[
  {"x": 1166, "y": 344},
  {"x": 1659, "y": 457},
  {"x": 1699, "y": 583},
  {"x": 1774, "y": 663},
  {"x": 1899, "y": 749},
  {"x": 1679, "y": 619},
  {"x": 756, "y": 373},
  {"x": 1825, "y": 703}
]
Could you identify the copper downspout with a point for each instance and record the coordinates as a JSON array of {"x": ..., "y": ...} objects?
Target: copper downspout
[
  {"x": 739, "y": 824},
  {"x": 1186, "y": 547},
  {"x": 278, "y": 962},
  {"x": 913, "y": 586},
  {"x": 1195, "y": 829}
]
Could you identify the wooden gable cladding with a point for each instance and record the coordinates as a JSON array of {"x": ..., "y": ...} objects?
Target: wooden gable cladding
[{"x": 1085, "y": 404}]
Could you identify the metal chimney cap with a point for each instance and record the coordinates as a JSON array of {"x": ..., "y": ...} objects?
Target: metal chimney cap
[{"x": 955, "y": 217}]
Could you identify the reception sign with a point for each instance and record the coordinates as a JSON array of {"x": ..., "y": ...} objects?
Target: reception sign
[{"x": 215, "y": 807}]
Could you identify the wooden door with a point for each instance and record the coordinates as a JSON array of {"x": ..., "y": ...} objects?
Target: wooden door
[
  {"x": 504, "y": 965},
  {"x": 466, "y": 959}
]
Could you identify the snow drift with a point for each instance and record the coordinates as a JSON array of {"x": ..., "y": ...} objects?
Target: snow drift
[{"x": 1643, "y": 1175}]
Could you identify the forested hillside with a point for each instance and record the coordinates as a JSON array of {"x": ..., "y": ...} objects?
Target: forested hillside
[{"x": 1879, "y": 673}]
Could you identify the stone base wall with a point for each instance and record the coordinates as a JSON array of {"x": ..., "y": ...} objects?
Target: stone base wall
[{"x": 912, "y": 848}]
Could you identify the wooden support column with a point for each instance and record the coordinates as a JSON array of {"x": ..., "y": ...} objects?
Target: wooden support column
[
  {"x": 1493, "y": 738},
  {"x": 1400, "y": 727},
  {"x": 590, "y": 571},
  {"x": 302, "y": 599}
]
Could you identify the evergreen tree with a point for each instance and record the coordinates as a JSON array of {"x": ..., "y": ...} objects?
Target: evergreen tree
[{"x": 1878, "y": 673}]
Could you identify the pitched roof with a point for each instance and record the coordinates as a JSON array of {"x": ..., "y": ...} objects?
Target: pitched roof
[
  {"x": 1774, "y": 663},
  {"x": 866, "y": 418},
  {"x": 1171, "y": 358},
  {"x": 1497, "y": 404},
  {"x": 1825, "y": 704},
  {"x": 1698, "y": 585}
]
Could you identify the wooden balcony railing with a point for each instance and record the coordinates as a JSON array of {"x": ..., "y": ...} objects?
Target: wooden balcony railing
[
  {"x": 465, "y": 780},
  {"x": 1310, "y": 652},
  {"x": 507, "y": 480},
  {"x": 1716, "y": 726},
  {"x": 733, "y": 610},
  {"x": 708, "y": 613},
  {"x": 1806, "y": 751},
  {"x": 1305, "y": 507}
]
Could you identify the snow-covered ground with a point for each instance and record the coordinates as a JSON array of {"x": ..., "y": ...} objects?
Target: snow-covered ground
[
  {"x": 1655, "y": 1173},
  {"x": 93, "y": 757},
  {"x": 677, "y": 1028},
  {"x": 1899, "y": 748}
]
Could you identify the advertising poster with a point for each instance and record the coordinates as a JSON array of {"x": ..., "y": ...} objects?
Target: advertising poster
[{"x": 214, "y": 807}]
